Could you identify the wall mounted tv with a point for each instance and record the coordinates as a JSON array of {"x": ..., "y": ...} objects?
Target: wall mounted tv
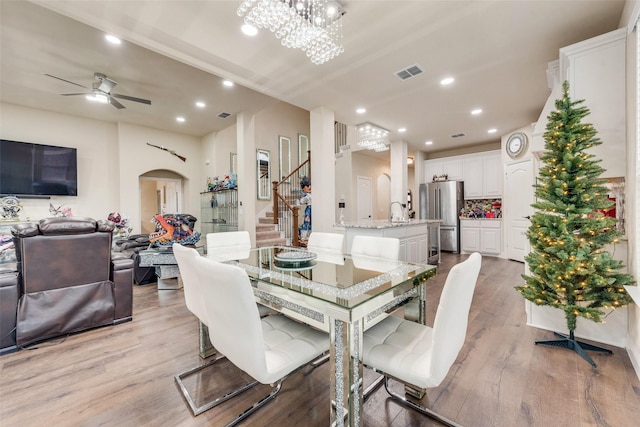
[{"x": 37, "y": 170}]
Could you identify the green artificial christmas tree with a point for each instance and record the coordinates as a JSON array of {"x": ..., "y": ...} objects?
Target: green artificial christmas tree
[{"x": 569, "y": 268}]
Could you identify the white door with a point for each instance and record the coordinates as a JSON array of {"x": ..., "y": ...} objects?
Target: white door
[
  {"x": 364, "y": 197},
  {"x": 518, "y": 197}
]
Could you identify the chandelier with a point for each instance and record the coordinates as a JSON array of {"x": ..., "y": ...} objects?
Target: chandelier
[
  {"x": 372, "y": 137},
  {"x": 311, "y": 25}
]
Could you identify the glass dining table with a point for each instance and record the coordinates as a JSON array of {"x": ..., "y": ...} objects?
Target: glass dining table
[{"x": 341, "y": 294}]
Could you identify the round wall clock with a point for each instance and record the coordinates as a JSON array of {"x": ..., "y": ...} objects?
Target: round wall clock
[{"x": 517, "y": 144}]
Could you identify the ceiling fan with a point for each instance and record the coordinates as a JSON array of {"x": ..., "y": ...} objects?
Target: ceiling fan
[{"x": 101, "y": 91}]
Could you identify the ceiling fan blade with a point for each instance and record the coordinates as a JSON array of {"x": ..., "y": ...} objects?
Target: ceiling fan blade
[
  {"x": 131, "y": 98},
  {"x": 67, "y": 81},
  {"x": 115, "y": 103},
  {"x": 74, "y": 94}
]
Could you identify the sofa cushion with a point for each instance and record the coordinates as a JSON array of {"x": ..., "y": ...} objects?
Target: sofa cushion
[{"x": 67, "y": 225}]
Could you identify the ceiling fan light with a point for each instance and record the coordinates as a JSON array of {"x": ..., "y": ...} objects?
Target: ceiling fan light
[{"x": 98, "y": 97}]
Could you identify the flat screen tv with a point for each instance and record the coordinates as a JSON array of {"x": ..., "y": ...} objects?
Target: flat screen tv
[{"x": 37, "y": 169}]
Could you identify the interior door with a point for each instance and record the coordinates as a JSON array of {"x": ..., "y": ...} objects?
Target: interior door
[
  {"x": 518, "y": 198},
  {"x": 364, "y": 197}
]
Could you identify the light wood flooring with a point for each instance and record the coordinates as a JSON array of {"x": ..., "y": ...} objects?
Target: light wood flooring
[{"x": 123, "y": 375}]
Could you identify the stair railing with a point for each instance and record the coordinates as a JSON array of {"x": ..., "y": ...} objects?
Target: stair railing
[{"x": 286, "y": 194}]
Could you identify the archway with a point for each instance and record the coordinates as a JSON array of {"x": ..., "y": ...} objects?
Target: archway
[{"x": 161, "y": 192}]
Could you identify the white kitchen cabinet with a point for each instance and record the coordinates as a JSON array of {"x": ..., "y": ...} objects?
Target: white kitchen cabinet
[
  {"x": 490, "y": 237},
  {"x": 484, "y": 236},
  {"x": 470, "y": 235},
  {"x": 482, "y": 176},
  {"x": 492, "y": 176},
  {"x": 452, "y": 167},
  {"x": 414, "y": 237},
  {"x": 473, "y": 177}
]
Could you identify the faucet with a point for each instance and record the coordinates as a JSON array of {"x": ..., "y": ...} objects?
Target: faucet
[{"x": 391, "y": 211}]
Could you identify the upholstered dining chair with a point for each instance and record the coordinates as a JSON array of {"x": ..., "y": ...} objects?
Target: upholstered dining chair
[
  {"x": 322, "y": 241},
  {"x": 268, "y": 349},
  {"x": 420, "y": 356},
  {"x": 232, "y": 245},
  {"x": 194, "y": 300},
  {"x": 368, "y": 251},
  {"x": 228, "y": 245},
  {"x": 328, "y": 247},
  {"x": 377, "y": 247}
]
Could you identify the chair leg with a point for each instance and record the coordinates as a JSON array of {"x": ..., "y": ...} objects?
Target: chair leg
[
  {"x": 274, "y": 391},
  {"x": 320, "y": 360},
  {"x": 197, "y": 410},
  {"x": 259, "y": 404},
  {"x": 372, "y": 387},
  {"x": 205, "y": 347},
  {"x": 426, "y": 411}
]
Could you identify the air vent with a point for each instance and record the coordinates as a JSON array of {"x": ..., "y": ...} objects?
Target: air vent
[
  {"x": 457, "y": 135},
  {"x": 224, "y": 115},
  {"x": 408, "y": 72}
]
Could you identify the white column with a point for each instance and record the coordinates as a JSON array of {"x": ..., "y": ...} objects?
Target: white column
[
  {"x": 399, "y": 176},
  {"x": 419, "y": 178},
  {"x": 323, "y": 187},
  {"x": 247, "y": 173}
]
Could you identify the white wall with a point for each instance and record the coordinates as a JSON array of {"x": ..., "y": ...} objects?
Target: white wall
[
  {"x": 367, "y": 166},
  {"x": 631, "y": 12},
  {"x": 281, "y": 119},
  {"x": 111, "y": 157},
  {"x": 137, "y": 158},
  {"x": 98, "y": 159}
]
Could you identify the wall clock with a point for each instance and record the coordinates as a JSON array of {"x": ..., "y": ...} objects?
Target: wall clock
[{"x": 517, "y": 144}]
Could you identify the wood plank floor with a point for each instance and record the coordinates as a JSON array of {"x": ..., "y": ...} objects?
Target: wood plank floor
[{"x": 123, "y": 375}]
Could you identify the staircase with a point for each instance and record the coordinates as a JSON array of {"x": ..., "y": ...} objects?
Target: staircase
[{"x": 267, "y": 233}]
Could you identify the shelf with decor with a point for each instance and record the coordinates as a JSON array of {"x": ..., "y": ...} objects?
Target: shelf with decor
[{"x": 219, "y": 211}]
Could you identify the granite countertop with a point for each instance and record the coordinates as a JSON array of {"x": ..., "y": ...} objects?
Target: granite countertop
[{"x": 385, "y": 223}]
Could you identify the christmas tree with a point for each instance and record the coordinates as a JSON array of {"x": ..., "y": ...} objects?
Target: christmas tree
[{"x": 569, "y": 268}]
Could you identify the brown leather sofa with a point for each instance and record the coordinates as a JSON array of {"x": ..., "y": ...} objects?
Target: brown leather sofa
[{"x": 67, "y": 279}]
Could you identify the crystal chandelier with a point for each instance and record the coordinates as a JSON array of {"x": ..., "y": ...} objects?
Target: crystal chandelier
[
  {"x": 311, "y": 25},
  {"x": 372, "y": 137}
]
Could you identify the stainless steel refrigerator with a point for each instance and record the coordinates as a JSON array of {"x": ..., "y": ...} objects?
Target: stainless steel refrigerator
[{"x": 443, "y": 201}]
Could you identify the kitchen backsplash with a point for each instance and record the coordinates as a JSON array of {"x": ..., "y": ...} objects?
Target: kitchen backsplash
[{"x": 482, "y": 208}]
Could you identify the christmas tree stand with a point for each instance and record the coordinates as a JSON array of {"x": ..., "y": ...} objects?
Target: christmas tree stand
[{"x": 578, "y": 346}]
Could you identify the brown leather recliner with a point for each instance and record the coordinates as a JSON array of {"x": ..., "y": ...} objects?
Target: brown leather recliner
[{"x": 67, "y": 279}]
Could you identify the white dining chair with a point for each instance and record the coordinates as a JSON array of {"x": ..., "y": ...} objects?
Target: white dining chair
[
  {"x": 229, "y": 245},
  {"x": 268, "y": 349},
  {"x": 376, "y": 254},
  {"x": 194, "y": 300},
  {"x": 323, "y": 241},
  {"x": 420, "y": 356},
  {"x": 328, "y": 247},
  {"x": 376, "y": 247},
  {"x": 232, "y": 245}
]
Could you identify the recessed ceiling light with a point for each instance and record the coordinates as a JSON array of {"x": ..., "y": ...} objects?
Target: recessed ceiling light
[
  {"x": 227, "y": 83},
  {"x": 447, "y": 81},
  {"x": 492, "y": 130},
  {"x": 200, "y": 104},
  {"x": 249, "y": 30},
  {"x": 428, "y": 143},
  {"x": 361, "y": 110},
  {"x": 180, "y": 119},
  {"x": 112, "y": 39},
  {"x": 402, "y": 130},
  {"x": 476, "y": 111}
]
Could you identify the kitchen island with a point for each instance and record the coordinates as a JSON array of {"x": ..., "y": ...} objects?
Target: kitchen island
[{"x": 419, "y": 238}]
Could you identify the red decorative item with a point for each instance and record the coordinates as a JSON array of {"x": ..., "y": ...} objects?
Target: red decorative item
[{"x": 611, "y": 212}]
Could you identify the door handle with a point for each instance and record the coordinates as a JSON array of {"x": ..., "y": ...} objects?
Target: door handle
[{"x": 527, "y": 217}]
